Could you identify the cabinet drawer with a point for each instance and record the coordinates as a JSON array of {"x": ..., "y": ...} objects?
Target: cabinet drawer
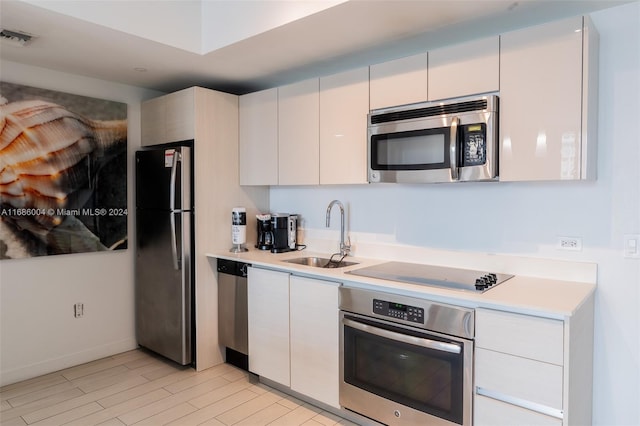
[
  {"x": 490, "y": 412},
  {"x": 521, "y": 378},
  {"x": 522, "y": 335}
]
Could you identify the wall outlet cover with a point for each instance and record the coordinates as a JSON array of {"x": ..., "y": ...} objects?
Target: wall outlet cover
[
  {"x": 632, "y": 246},
  {"x": 570, "y": 243}
]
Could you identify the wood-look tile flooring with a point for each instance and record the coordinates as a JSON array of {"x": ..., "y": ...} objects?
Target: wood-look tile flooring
[{"x": 137, "y": 388}]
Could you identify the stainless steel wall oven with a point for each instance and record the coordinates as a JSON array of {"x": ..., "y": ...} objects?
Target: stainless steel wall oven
[{"x": 405, "y": 361}]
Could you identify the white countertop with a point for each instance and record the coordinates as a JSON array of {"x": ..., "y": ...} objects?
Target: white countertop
[{"x": 543, "y": 297}]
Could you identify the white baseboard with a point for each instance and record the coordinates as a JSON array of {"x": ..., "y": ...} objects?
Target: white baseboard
[{"x": 66, "y": 361}]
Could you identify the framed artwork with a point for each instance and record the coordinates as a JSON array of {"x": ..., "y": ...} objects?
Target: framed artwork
[{"x": 63, "y": 173}]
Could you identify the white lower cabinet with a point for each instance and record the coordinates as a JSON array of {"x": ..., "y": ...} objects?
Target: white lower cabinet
[
  {"x": 314, "y": 329},
  {"x": 530, "y": 370},
  {"x": 521, "y": 379},
  {"x": 518, "y": 368},
  {"x": 492, "y": 412},
  {"x": 293, "y": 332},
  {"x": 268, "y": 319},
  {"x": 521, "y": 335}
]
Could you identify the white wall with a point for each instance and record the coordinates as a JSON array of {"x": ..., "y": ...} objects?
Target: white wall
[
  {"x": 133, "y": 17},
  {"x": 526, "y": 218},
  {"x": 38, "y": 333},
  {"x": 225, "y": 23}
]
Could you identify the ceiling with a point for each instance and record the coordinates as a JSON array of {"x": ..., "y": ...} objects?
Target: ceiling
[{"x": 347, "y": 35}]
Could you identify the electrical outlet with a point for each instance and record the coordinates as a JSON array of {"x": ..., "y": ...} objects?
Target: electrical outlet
[
  {"x": 78, "y": 310},
  {"x": 570, "y": 243},
  {"x": 632, "y": 246}
]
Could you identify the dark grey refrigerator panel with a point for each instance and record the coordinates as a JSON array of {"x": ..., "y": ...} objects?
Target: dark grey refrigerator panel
[
  {"x": 164, "y": 245},
  {"x": 164, "y": 178}
]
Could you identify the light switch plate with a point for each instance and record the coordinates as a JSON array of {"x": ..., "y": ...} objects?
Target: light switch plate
[{"x": 632, "y": 246}]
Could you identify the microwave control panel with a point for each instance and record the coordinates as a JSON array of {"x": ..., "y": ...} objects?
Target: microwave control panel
[
  {"x": 474, "y": 144},
  {"x": 399, "y": 311}
]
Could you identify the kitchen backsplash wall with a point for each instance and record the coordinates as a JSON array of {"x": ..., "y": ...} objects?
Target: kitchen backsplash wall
[
  {"x": 516, "y": 218},
  {"x": 525, "y": 219}
]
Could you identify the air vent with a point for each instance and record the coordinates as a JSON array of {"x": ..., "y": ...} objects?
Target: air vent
[
  {"x": 436, "y": 110},
  {"x": 17, "y": 38}
]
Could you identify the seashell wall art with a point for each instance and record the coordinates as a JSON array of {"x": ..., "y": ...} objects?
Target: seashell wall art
[{"x": 63, "y": 173}]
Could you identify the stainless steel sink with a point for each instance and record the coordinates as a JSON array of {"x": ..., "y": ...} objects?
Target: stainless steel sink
[{"x": 321, "y": 262}]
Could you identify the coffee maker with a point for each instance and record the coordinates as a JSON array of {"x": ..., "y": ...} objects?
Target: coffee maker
[
  {"x": 280, "y": 229},
  {"x": 265, "y": 234},
  {"x": 284, "y": 228},
  {"x": 293, "y": 231}
]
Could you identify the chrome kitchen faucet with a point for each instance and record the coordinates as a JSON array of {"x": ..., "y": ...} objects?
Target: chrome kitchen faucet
[{"x": 345, "y": 249}]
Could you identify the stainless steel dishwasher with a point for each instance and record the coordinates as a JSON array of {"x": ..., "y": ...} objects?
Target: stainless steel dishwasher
[{"x": 232, "y": 311}]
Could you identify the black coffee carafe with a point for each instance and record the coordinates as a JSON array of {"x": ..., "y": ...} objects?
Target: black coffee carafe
[
  {"x": 280, "y": 230},
  {"x": 265, "y": 233}
]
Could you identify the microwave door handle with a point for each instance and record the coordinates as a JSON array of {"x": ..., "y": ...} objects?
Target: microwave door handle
[
  {"x": 411, "y": 340},
  {"x": 453, "y": 148}
]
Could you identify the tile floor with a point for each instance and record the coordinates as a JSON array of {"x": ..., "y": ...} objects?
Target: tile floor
[{"x": 137, "y": 388}]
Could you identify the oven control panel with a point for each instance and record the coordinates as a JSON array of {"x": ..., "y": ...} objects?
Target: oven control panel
[{"x": 398, "y": 310}]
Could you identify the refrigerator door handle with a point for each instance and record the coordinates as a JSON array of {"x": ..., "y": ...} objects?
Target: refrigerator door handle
[
  {"x": 174, "y": 242},
  {"x": 172, "y": 183},
  {"x": 172, "y": 202}
]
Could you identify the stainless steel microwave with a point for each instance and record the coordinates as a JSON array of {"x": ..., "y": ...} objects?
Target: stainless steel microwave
[{"x": 446, "y": 141}]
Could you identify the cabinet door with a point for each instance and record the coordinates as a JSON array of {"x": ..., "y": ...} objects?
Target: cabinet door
[
  {"x": 541, "y": 102},
  {"x": 527, "y": 336},
  {"x": 168, "y": 118},
  {"x": 465, "y": 69},
  {"x": 399, "y": 82},
  {"x": 268, "y": 318},
  {"x": 524, "y": 379},
  {"x": 259, "y": 138},
  {"x": 315, "y": 339},
  {"x": 344, "y": 105},
  {"x": 299, "y": 133},
  {"x": 152, "y": 121},
  {"x": 490, "y": 412},
  {"x": 180, "y": 115}
]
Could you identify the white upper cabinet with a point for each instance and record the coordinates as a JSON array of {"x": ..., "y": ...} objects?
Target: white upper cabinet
[
  {"x": 152, "y": 121},
  {"x": 168, "y": 118},
  {"x": 344, "y": 105},
  {"x": 398, "y": 82},
  {"x": 548, "y": 102},
  {"x": 259, "y": 138},
  {"x": 299, "y": 133},
  {"x": 465, "y": 69}
]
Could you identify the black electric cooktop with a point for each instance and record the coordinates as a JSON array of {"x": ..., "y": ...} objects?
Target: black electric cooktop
[{"x": 435, "y": 276}]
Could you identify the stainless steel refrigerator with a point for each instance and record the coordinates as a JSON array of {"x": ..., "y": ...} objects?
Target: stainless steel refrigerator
[{"x": 164, "y": 252}]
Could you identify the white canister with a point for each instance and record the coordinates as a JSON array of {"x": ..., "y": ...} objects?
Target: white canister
[{"x": 238, "y": 225}]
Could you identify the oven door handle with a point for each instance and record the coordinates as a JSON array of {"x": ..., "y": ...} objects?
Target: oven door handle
[{"x": 411, "y": 340}]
